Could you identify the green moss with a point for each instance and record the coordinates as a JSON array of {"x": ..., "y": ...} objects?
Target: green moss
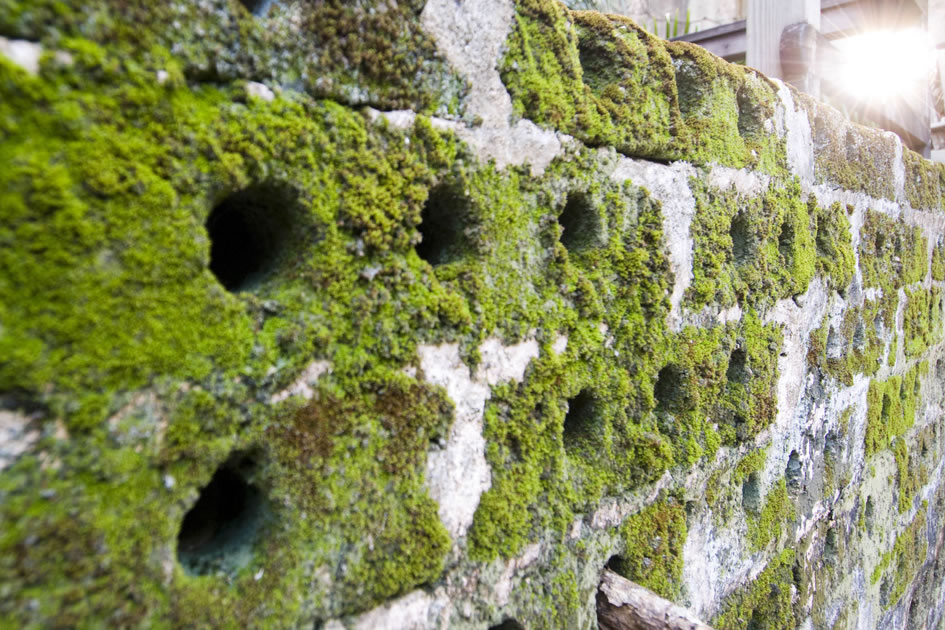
[
  {"x": 763, "y": 603},
  {"x": 858, "y": 344},
  {"x": 923, "y": 182},
  {"x": 922, "y": 320},
  {"x": 768, "y": 524},
  {"x": 835, "y": 259},
  {"x": 892, "y": 254},
  {"x": 898, "y": 567},
  {"x": 727, "y": 112},
  {"x": 891, "y": 407},
  {"x": 369, "y": 53},
  {"x": 753, "y": 462},
  {"x": 752, "y": 250},
  {"x": 605, "y": 80},
  {"x": 108, "y": 307},
  {"x": 653, "y": 547},
  {"x": 938, "y": 262}
]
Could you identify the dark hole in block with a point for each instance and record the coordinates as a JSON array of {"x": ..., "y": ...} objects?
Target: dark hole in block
[
  {"x": 786, "y": 242},
  {"x": 581, "y": 417},
  {"x": 690, "y": 86},
  {"x": 738, "y": 371},
  {"x": 248, "y": 233},
  {"x": 220, "y": 529},
  {"x": 598, "y": 68},
  {"x": 442, "y": 224},
  {"x": 793, "y": 473},
  {"x": 580, "y": 223},
  {"x": 508, "y": 624},
  {"x": 750, "y": 114},
  {"x": 869, "y": 513},
  {"x": 751, "y": 493},
  {"x": 257, "y": 7},
  {"x": 831, "y": 544},
  {"x": 859, "y": 337},
  {"x": 669, "y": 390},
  {"x": 741, "y": 239}
]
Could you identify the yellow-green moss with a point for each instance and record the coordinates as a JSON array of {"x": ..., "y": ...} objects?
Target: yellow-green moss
[
  {"x": 922, "y": 320},
  {"x": 898, "y": 566},
  {"x": 891, "y": 407}
]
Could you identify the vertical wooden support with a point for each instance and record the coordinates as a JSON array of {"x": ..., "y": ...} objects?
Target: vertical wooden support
[{"x": 766, "y": 20}]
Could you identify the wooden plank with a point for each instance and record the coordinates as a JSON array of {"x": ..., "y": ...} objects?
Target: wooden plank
[
  {"x": 624, "y": 605},
  {"x": 727, "y": 41}
]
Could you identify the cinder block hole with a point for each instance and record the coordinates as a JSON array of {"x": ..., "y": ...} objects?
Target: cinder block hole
[
  {"x": 859, "y": 337},
  {"x": 580, "y": 223},
  {"x": 618, "y": 564},
  {"x": 741, "y": 239},
  {"x": 442, "y": 226},
  {"x": 256, "y": 7},
  {"x": 689, "y": 85},
  {"x": 750, "y": 114},
  {"x": 669, "y": 390},
  {"x": 794, "y": 473},
  {"x": 581, "y": 417},
  {"x": 832, "y": 445},
  {"x": 597, "y": 67},
  {"x": 738, "y": 371},
  {"x": 869, "y": 514},
  {"x": 248, "y": 233},
  {"x": 786, "y": 242},
  {"x": 220, "y": 529},
  {"x": 751, "y": 493},
  {"x": 940, "y": 368},
  {"x": 508, "y": 624},
  {"x": 831, "y": 543}
]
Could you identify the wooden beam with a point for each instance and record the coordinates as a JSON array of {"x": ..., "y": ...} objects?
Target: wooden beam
[
  {"x": 727, "y": 41},
  {"x": 624, "y": 605}
]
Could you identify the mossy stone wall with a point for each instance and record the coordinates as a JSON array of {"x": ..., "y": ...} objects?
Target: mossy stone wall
[{"x": 419, "y": 314}]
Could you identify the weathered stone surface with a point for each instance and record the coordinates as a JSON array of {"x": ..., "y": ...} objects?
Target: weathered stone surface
[{"x": 420, "y": 315}]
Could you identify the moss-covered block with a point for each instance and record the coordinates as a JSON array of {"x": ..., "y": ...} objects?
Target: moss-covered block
[
  {"x": 850, "y": 155},
  {"x": 765, "y": 602},
  {"x": 891, "y": 407},
  {"x": 892, "y": 254},
  {"x": 653, "y": 552},
  {"x": 368, "y": 53},
  {"x": 898, "y": 566},
  {"x": 751, "y": 250},
  {"x": 922, "y": 320}
]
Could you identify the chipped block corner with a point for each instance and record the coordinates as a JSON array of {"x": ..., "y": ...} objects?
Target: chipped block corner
[{"x": 419, "y": 314}]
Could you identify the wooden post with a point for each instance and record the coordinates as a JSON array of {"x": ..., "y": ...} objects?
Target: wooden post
[
  {"x": 766, "y": 20},
  {"x": 624, "y": 605}
]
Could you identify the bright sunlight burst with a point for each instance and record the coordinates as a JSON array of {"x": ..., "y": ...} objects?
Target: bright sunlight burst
[{"x": 881, "y": 66}]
